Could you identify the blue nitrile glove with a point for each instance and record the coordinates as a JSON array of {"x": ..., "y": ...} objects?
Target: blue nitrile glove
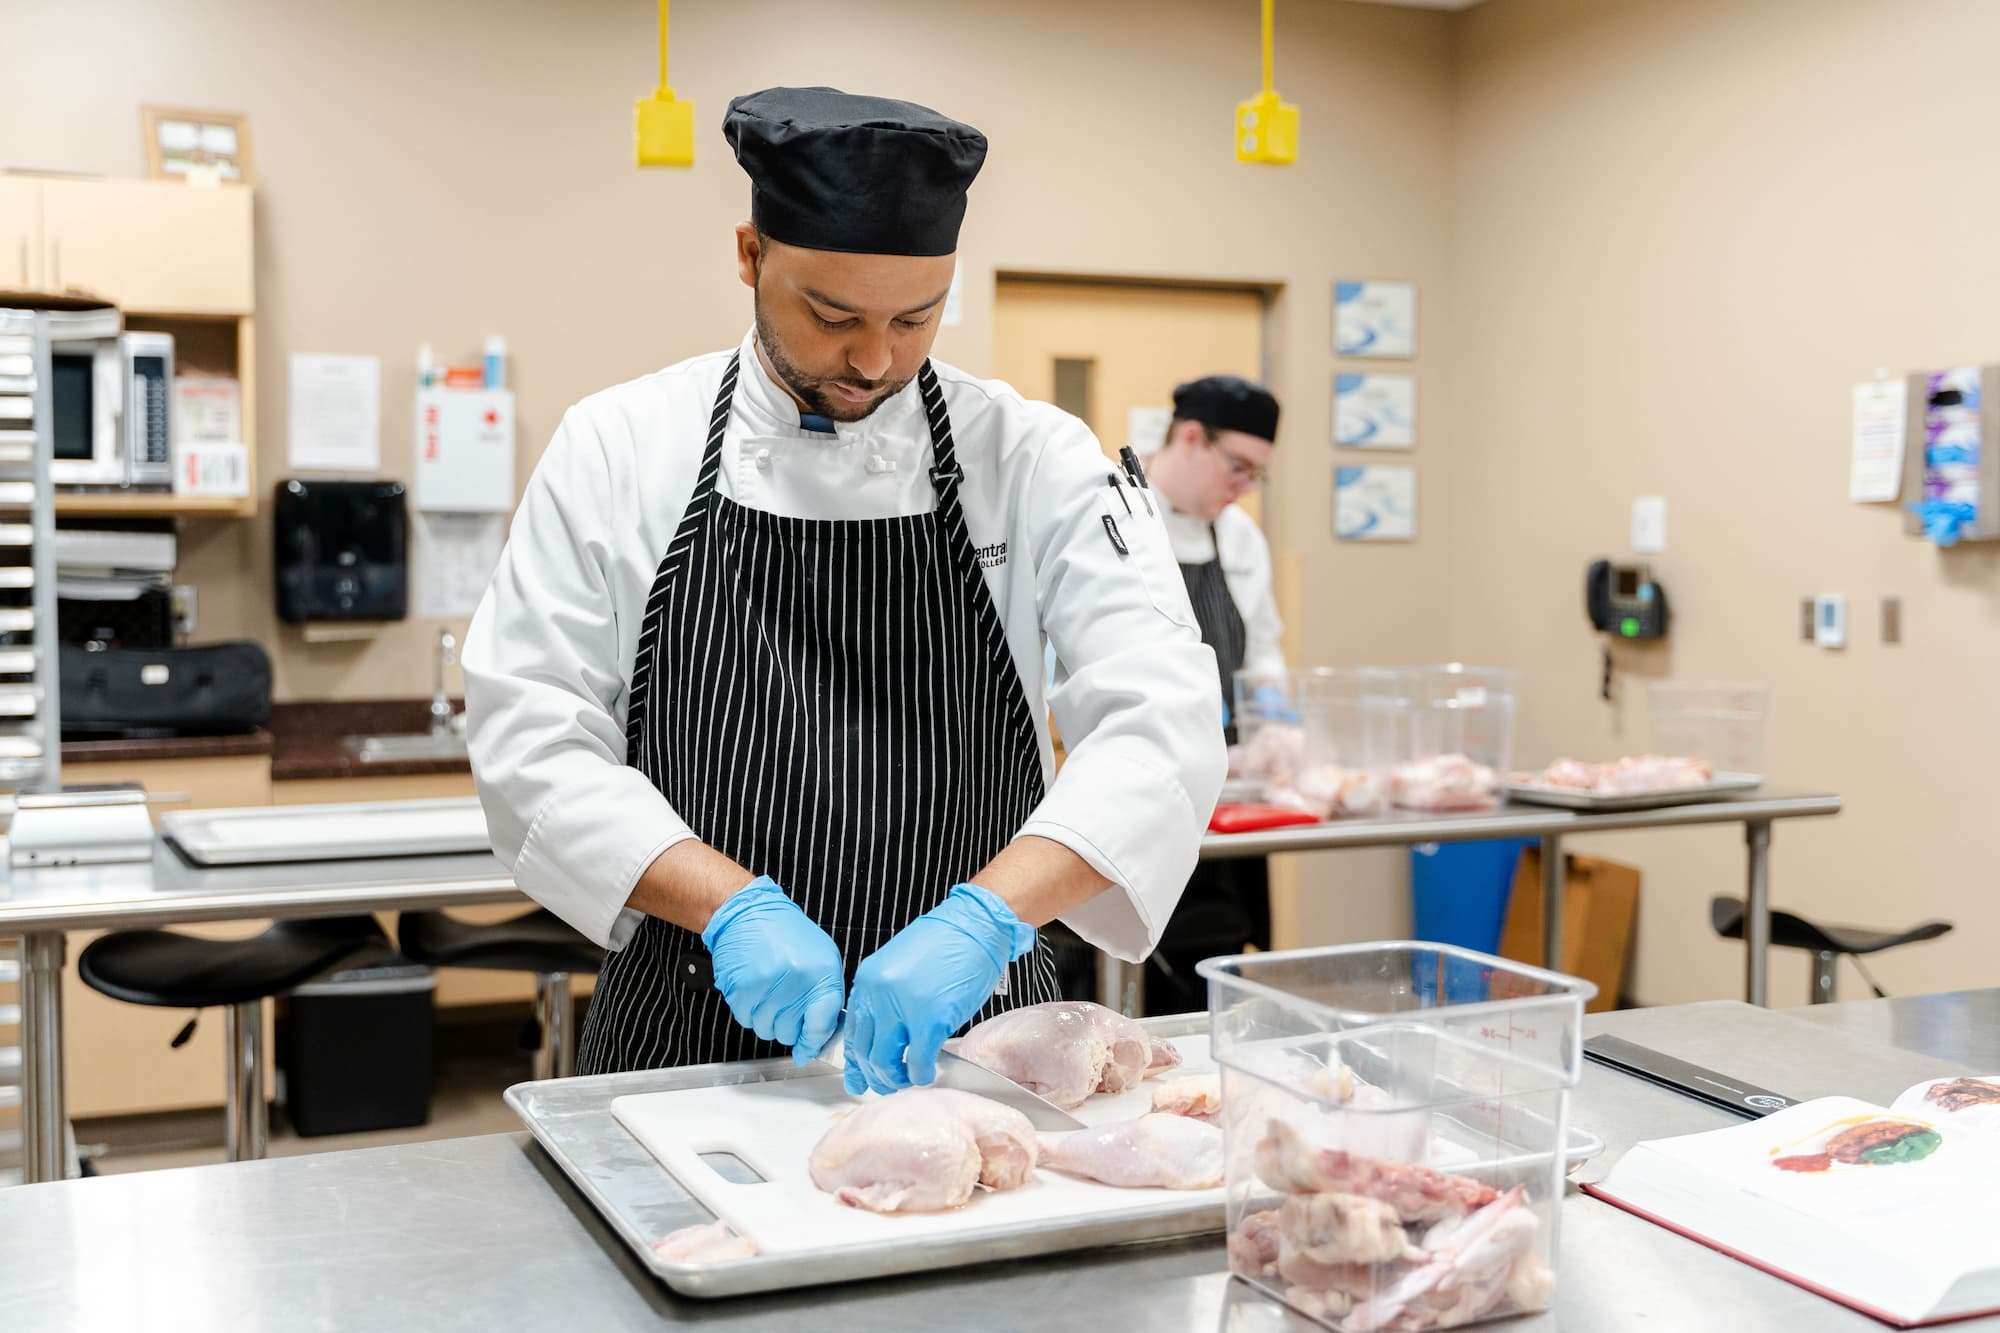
[
  {"x": 779, "y": 973},
  {"x": 1270, "y": 701},
  {"x": 926, "y": 983}
]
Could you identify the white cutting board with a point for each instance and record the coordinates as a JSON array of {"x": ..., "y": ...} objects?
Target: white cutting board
[{"x": 774, "y": 1126}]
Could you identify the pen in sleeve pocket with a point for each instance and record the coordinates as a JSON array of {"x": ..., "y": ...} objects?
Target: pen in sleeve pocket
[
  {"x": 1111, "y": 480},
  {"x": 1130, "y": 461}
]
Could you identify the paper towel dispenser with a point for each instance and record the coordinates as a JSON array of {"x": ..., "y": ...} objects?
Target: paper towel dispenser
[{"x": 342, "y": 550}]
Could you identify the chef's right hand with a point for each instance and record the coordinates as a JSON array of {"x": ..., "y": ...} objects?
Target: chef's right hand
[{"x": 779, "y": 973}]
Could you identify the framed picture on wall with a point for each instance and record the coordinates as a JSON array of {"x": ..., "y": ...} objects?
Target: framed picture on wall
[
  {"x": 1374, "y": 318},
  {"x": 188, "y": 145}
]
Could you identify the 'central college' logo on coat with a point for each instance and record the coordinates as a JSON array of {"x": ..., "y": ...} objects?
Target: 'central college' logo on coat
[{"x": 991, "y": 557}]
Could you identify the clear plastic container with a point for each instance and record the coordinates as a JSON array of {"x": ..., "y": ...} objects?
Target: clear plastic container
[
  {"x": 1394, "y": 1117},
  {"x": 1722, "y": 725},
  {"x": 1321, "y": 739},
  {"x": 1460, "y": 740}
]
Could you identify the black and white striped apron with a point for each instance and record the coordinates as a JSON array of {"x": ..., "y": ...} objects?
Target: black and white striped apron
[
  {"x": 832, "y": 703},
  {"x": 1221, "y": 624}
]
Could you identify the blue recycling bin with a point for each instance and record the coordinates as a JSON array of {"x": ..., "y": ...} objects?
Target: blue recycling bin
[{"x": 1459, "y": 890}]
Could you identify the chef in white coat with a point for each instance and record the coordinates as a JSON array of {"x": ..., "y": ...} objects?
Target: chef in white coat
[
  {"x": 1217, "y": 446},
  {"x": 755, "y": 698}
]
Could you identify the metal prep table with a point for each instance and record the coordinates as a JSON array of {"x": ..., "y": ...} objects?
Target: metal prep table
[
  {"x": 487, "y": 1234},
  {"x": 40, "y": 905}
]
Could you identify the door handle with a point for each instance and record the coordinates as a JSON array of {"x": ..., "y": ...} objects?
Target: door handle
[{"x": 55, "y": 259}]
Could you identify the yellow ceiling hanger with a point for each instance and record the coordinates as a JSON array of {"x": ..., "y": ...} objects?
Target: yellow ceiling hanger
[
  {"x": 665, "y": 124},
  {"x": 1267, "y": 130}
]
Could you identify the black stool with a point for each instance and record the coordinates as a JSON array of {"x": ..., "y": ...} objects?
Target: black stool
[
  {"x": 1825, "y": 943},
  {"x": 158, "y": 967},
  {"x": 539, "y": 943}
]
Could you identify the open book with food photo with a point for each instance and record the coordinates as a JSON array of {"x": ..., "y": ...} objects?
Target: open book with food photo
[{"x": 1885, "y": 1209}]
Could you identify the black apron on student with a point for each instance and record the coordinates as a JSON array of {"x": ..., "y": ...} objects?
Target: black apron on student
[{"x": 781, "y": 703}]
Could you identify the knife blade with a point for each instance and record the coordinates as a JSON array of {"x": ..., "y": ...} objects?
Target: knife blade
[{"x": 962, "y": 1075}]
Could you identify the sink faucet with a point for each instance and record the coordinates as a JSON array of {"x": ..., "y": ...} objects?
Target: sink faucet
[{"x": 447, "y": 654}]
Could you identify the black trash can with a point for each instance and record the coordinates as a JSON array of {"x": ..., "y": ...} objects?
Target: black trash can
[{"x": 357, "y": 1048}]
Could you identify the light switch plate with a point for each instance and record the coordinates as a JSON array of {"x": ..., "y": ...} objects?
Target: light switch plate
[
  {"x": 1892, "y": 620},
  {"x": 1830, "y": 620},
  {"x": 1649, "y": 525}
]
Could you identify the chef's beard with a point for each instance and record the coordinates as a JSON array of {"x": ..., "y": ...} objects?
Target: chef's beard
[{"x": 811, "y": 389}]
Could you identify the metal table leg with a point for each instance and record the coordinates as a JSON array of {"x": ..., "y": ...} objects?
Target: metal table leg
[
  {"x": 556, "y": 1009},
  {"x": 42, "y": 1113},
  {"x": 246, "y": 1119},
  {"x": 1552, "y": 902},
  {"x": 1757, "y": 915},
  {"x": 1118, "y": 985}
]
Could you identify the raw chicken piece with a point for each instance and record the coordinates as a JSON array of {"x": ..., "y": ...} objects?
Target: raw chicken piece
[
  {"x": 923, "y": 1149},
  {"x": 1196, "y": 1095},
  {"x": 1630, "y": 776},
  {"x": 1275, "y": 752},
  {"x": 1350, "y": 1282},
  {"x": 1326, "y": 791},
  {"x": 708, "y": 1243},
  {"x": 1343, "y": 1228},
  {"x": 1444, "y": 782},
  {"x": 1288, "y": 1160},
  {"x": 1464, "y": 1279},
  {"x": 1168, "y": 1151},
  {"x": 1063, "y": 1051},
  {"x": 1253, "y": 1246},
  {"x": 1162, "y": 1057},
  {"x": 1319, "y": 1304}
]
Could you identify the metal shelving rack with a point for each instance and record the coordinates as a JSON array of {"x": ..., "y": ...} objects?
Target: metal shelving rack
[{"x": 30, "y": 701}]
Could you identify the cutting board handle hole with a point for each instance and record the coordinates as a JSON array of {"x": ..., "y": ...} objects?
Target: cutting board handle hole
[{"x": 731, "y": 1168}]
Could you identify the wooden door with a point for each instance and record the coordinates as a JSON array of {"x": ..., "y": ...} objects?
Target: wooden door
[{"x": 1102, "y": 349}]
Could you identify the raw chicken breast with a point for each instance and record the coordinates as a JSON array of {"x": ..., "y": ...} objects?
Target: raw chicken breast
[
  {"x": 1196, "y": 1095},
  {"x": 1064, "y": 1050},
  {"x": 1445, "y": 782},
  {"x": 708, "y": 1243},
  {"x": 923, "y": 1149},
  {"x": 1634, "y": 775},
  {"x": 1169, "y": 1151},
  {"x": 1343, "y": 1228}
]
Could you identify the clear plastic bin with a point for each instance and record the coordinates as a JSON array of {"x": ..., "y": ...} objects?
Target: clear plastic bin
[
  {"x": 1460, "y": 742},
  {"x": 1722, "y": 725},
  {"x": 1394, "y": 1116},
  {"x": 1321, "y": 739}
]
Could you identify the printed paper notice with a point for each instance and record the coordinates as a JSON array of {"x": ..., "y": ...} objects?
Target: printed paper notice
[
  {"x": 1375, "y": 318},
  {"x": 1374, "y": 411},
  {"x": 336, "y": 413},
  {"x": 1146, "y": 428},
  {"x": 456, "y": 559},
  {"x": 1881, "y": 412}
]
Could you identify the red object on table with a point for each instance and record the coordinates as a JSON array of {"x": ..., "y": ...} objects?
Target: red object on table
[{"x": 1248, "y": 817}]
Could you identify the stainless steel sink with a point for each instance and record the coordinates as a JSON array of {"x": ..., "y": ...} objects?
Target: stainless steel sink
[{"x": 407, "y": 745}]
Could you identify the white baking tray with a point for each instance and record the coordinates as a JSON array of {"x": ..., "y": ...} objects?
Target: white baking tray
[
  {"x": 358, "y": 831},
  {"x": 1722, "y": 784}
]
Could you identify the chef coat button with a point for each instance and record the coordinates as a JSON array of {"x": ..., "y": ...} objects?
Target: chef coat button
[
  {"x": 763, "y": 460},
  {"x": 878, "y": 464}
]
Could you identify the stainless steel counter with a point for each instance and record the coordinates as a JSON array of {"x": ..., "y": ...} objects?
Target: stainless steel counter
[
  {"x": 486, "y": 1234},
  {"x": 40, "y": 905}
]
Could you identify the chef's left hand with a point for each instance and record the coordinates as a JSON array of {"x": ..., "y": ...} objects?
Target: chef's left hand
[{"x": 926, "y": 983}]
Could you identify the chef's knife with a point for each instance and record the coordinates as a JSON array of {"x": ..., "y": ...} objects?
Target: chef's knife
[
  {"x": 1690, "y": 1080},
  {"x": 956, "y": 1072}
]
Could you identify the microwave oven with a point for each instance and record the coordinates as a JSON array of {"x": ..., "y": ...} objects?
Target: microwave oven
[{"x": 112, "y": 401}]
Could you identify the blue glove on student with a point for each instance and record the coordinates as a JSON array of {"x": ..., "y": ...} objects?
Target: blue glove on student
[
  {"x": 926, "y": 983},
  {"x": 779, "y": 973}
]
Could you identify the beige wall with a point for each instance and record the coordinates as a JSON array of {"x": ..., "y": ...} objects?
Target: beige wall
[
  {"x": 433, "y": 171},
  {"x": 1682, "y": 230}
]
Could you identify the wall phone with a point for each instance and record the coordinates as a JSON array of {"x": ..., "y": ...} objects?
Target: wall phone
[{"x": 1625, "y": 602}]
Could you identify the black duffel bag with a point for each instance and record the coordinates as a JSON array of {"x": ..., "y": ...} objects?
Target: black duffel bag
[{"x": 218, "y": 687}]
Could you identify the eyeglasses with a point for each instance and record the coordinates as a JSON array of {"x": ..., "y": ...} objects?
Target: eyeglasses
[{"x": 1240, "y": 468}]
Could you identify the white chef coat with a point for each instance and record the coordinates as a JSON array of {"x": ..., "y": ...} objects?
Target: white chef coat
[
  {"x": 1246, "y": 570},
  {"x": 548, "y": 658}
]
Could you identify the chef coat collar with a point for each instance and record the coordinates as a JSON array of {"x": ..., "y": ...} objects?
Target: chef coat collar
[{"x": 775, "y": 412}]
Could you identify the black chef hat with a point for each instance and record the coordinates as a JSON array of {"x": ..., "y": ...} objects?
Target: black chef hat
[
  {"x": 1228, "y": 402},
  {"x": 867, "y": 175}
]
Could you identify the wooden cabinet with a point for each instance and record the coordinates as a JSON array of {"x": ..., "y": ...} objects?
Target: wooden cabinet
[
  {"x": 158, "y": 247},
  {"x": 20, "y": 232}
]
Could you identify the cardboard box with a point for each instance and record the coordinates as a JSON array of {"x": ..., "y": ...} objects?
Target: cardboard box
[{"x": 1600, "y": 906}]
